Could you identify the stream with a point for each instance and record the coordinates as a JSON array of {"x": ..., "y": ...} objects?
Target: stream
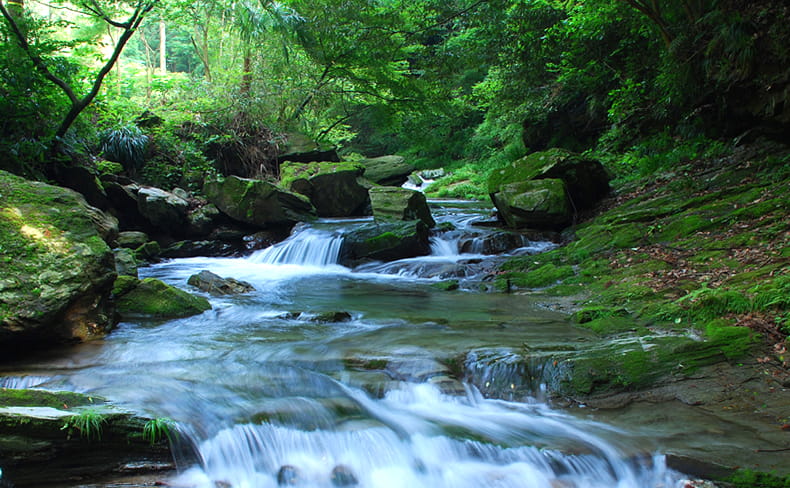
[{"x": 410, "y": 387}]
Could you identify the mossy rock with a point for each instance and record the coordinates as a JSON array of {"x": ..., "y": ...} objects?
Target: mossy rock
[
  {"x": 257, "y": 202},
  {"x": 546, "y": 275},
  {"x": 585, "y": 179},
  {"x": 56, "y": 271},
  {"x": 535, "y": 204},
  {"x": 447, "y": 285},
  {"x": 332, "y": 187},
  {"x": 151, "y": 298},
  {"x": 387, "y": 170},
  {"x": 385, "y": 241},
  {"x": 394, "y": 204}
]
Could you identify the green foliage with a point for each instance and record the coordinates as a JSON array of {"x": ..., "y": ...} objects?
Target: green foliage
[
  {"x": 158, "y": 429},
  {"x": 125, "y": 145},
  {"x": 88, "y": 423},
  {"x": 746, "y": 478}
]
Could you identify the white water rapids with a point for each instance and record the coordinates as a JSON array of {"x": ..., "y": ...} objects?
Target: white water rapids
[{"x": 267, "y": 398}]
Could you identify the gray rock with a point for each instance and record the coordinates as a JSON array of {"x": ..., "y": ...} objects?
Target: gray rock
[
  {"x": 385, "y": 241},
  {"x": 391, "y": 203},
  {"x": 216, "y": 285},
  {"x": 132, "y": 239},
  {"x": 257, "y": 202},
  {"x": 333, "y": 188},
  {"x": 163, "y": 210},
  {"x": 125, "y": 262},
  {"x": 387, "y": 170}
]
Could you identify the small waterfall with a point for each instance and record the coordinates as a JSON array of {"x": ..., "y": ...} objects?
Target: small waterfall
[
  {"x": 307, "y": 247},
  {"x": 444, "y": 247},
  {"x": 405, "y": 443},
  {"x": 22, "y": 382}
]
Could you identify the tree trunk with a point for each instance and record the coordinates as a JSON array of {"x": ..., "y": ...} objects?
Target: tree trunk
[
  {"x": 162, "y": 48},
  {"x": 246, "y": 77}
]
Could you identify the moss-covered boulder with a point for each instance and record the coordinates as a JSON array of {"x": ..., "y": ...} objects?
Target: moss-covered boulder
[
  {"x": 56, "y": 271},
  {"x": 76, "y": 437},
  {"x": 537, "y": 204},
  {"x": 387, "y": 170},
  {"x": 333, "y": 188},
  {"x": 585, "y": 180},
  {"x": 385, "y": 241},
  {"x": 392, "y": 203},
  {"x": 257, "y": 202},
  {"x": 151, "y": 298},
  {"x": 300, "y": 148}
]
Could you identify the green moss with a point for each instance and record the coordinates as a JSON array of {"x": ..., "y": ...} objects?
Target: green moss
[
  {"x": 546, "y": 275},
  {"x": 153, "y": 298},
  {"x": 746, "y": 478},
  {"x": 733, "y": 342},
  {"x": 386, "y": 239},
  {"x": 42, "y": 398},
  {"x": 447, "y": 285},
  {"x": 291, "y": 172},
  {"x": 683, "y": 226},
  {"x": 706, "y": 304}
]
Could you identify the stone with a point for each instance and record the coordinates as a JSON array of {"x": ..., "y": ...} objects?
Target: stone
[
  {"x": 123, "y": 205},
  {"x": 301, "y": 149},
  {"x": 132, "y": 239},
  {"x": 494, "y": 243},
  {"x": 216, "y": 285},
  {"x": 586, "y": 180},
  {"x": 56, "y": 270},
  {"x": 288, "y": 475},
  {"x": 342, "y": 475},
  {"x": 333, "y": 188},
  {"x": 149, "y": 251},
  {"x": 151, "y": 298},
  {"x": 257, "y": 202},
  {"x": 125, "y": 262},
  {"x": 191, "y": 249},
  {"x": 385, "y": 241},
  {"x": 105, "y": 224},
  {"x": 203, "y": 220},
  {"x": 164, "y": 210},
  {"x": 83, "y": 181},
  {"x": 537, "y": 204},
  {"x": 387, "y": 170},
  {"x": 50, "y": 427},
  {"x": 391, "y": 203},
  {"x": 447, "y": 285}
]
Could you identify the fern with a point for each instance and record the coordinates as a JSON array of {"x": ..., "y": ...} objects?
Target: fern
[{"x": 125, "y": 145}]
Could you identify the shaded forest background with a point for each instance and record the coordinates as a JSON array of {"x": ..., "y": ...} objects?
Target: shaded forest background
[{"x": 202, "y": 87}]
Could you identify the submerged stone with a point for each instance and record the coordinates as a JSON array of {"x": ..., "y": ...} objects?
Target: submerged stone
[
  {"x": 214, "y": 284},
  {"x": 342, "y": 475}
]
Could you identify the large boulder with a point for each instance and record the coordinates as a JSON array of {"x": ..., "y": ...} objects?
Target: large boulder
[
  {"x": 257, "y": 202},
  {"x": 301, "y": 149},
  {"x": 387, "y": 170},
  {"x": 333, "y": 188},
  {"x": 585, "y": 179},
  {"x": 393, "y": 203},
  {"x": 385, "y": 241},
  {"x": 538, "y": 204},
  {"x": 151, "y": 298},
  {"x": 56, "y": 271},
  {"x": 164, "y": 210}
]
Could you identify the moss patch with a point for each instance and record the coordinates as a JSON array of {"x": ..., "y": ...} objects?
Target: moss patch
[
  {"x": 153, "y": 298},
  {"x": 42, "y": 398}
]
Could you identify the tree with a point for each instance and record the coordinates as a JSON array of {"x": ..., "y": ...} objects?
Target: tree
[{"x": 97, "y": 11}]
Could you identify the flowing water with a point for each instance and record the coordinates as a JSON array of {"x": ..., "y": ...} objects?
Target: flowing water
[{"x": 411, "y": 387}]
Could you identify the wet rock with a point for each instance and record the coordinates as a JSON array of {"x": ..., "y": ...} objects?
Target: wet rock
[
  {"x": 288, "y": 475},
  {"x": 387, "y": 170},
  {"x": 188, "y": 249},
  {"x": 385, "y": 241},
  {"x": 73, "y": 435},
  {"x": 447, "y": 285},
  {"x": 149, "y": 251},
  {"x": 164, "y": 210},
  {"x": 323, "y": 317},
  {"x": 203, "y": 220},
  {"x": 56, "y": 270},
  {"x": 216, "y": 285},
  {"x": 495, "y": 243},
  {"x": 83, "y": 182},
  {"x": 151, "y": 298},
  {"x": 391, "y": 203},
  {"x": 333, "y": 188},
  {"x": 132, "y": 239},
  {"x": 342, "y": 475},
  {"x": 257, "y": 202},
  {"x": 125, "y": 262}
]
